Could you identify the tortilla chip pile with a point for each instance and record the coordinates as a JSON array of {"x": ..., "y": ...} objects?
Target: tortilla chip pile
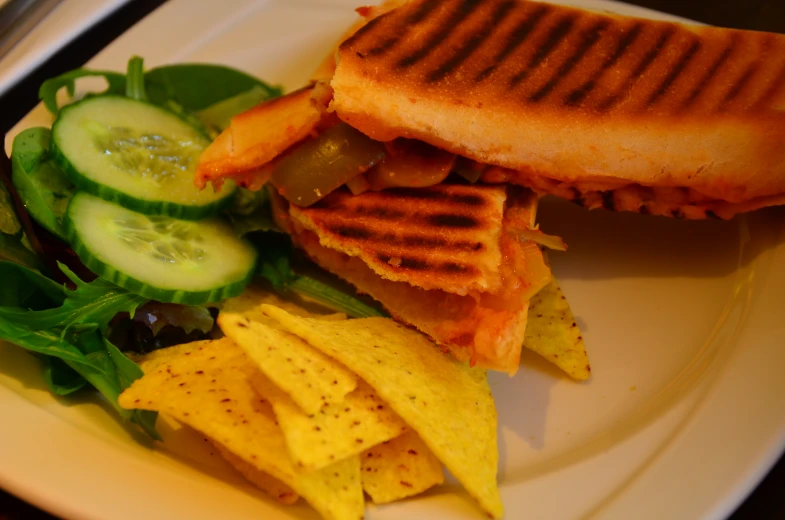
[{"x": 329, "y": 409}]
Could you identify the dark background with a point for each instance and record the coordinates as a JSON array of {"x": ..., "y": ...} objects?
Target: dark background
[{"x": 766, "y": 503}]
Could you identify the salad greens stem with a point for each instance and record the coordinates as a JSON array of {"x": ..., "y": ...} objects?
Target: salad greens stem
[
  {"x": 332, "y": 298},
  {"x": 134, "y": 82}
]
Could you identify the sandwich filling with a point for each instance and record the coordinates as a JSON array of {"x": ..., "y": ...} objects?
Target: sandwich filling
[
  {"x": 403, "y": 221},
  {"x": 468, "y": 289}
]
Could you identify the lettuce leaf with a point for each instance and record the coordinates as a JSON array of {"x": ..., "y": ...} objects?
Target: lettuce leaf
[
  {"x": 275, "y": 254},
  {"x": 43, "y": 187},
  {"x": 67, "y": 327},
  {"x": 49, "y": 88}
]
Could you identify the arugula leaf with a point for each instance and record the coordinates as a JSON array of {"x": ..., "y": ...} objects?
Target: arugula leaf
[
  {"x": 68, "y": 325},
  {"x": 127, "y": 373},
  {"x": 275, "y": 252},
  {"x": 18, "y": 243},
  {"x": 203, "y": 95},
  {"x": 49, "y": 88},
  {"x": 333, "y": 298},
  {"x": 206, "y": 96},
  {"x": 23, "y": 287},
  {"x": 60, "y": 378},
  {"x": 197, "y": 86},
  {"x": 41, "y": 342},
  {"x": 190, "y": 118},
  {"x": 13, "y": 244},
  {"x": 146, "y": 420},
  {"x": 251, "y": 211},
  {"x": 43, "y": 187},
  {"x": 102, "y": 373},
  {"x": 9, "y": 224},
  {"x": 89, "y": 307},
  {"x": 13, "y": 249},
  {"x": 273, "y": 263},
  {"x": 134, "y": 79}
]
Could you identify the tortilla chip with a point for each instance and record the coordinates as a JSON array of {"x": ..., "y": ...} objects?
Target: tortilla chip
[
  {"x": 306, "y": 375},
  {"x": 400, "y": 468},
  {"x": 272, "y": 486},
  {"x": 553, "y": 332},
  {"x": 149, "y": 361},
  {"x": 207, "y": 388},
  {"x": 447, "y": 403},
  {"x": 336, "y": 431},
  {"x": 249, "y": 301}
]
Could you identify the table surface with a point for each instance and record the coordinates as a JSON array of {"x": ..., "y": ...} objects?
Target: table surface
[{"x": 767, "y": 502}]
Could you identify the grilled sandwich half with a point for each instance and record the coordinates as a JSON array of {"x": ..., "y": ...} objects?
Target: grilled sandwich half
[
  {"x": 447, "y": 259},
  {"x": 622, "y": 113}
]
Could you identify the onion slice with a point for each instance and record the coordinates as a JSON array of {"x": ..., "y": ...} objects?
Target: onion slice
[
  {"x": 535, "y": 235},
  {"x": 411, "y": 164}
]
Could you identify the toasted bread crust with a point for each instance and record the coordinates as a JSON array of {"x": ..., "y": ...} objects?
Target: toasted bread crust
[
  {"x": 488, "y": 337},
  {"x": 259, "y": 135},
  {"x": 574, "y": 95},
  {"x": 443, "y": 237}
]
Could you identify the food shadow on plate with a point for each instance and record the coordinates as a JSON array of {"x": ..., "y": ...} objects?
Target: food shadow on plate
[
  {"x": 17, "y": 363},
  {"x": 26, "y": 369},
  {"x": 607, "y": 245},
  {"x": 529, "y": 422},
  {"x": 184, "y": 445}
]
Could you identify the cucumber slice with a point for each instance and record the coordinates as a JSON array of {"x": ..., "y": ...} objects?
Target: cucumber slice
[
  {"x": 135, "y": 154},
  {"x": 162, "y": 258}
]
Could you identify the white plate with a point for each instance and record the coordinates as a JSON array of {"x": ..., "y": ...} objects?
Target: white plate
[
  {"x": 68, "y": 19},
  {"x": 681, "y": 418}
]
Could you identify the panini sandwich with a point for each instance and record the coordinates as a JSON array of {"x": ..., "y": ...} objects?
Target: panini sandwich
[
  {"x": 608, "y": 111},
  {"x": 456, "y": 260},
  {"x": 446, "y": 259}
]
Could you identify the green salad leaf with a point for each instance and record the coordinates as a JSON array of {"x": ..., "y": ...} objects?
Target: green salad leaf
[
  {"x": 14, "y": 246},
  {"x": 275, "y": 254},
  {"x": 9, "y": 224},
  {"x": 134, "y": 79},
  {"x": 25, "y": 288},
  {"x": 13, "y": 249},
  {"x": 274, "y": 263},
  {"x": 251, "y": 211},
  {"x": 67, "y": 326},
  {"x": 89, "y": 307},
  {"x": 61, "y": 379},
  {"x": 204, "y": 95},
  {"x": 197, "y": 86},
  {"x": 44, "y": 188},
  {"x": 49, "y": 88},
  {"x": 251, "y": 215}
]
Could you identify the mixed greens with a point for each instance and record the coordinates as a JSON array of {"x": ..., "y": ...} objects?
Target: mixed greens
[{"x": 106, "y": 246}]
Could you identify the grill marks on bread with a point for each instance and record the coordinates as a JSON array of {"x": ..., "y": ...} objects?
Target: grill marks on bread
[
  {"x": 559, "y": 57},
  {"x": 443, "y": 237}
]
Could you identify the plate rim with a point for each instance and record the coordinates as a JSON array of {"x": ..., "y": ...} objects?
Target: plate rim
[{"x": 750, "y": 481}]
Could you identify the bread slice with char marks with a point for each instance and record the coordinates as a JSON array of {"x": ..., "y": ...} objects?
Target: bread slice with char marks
[
  {"x": 402, "y": 248},
  {"x": 444, "y": 237},
  {"x": 575, "y": 96}
]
